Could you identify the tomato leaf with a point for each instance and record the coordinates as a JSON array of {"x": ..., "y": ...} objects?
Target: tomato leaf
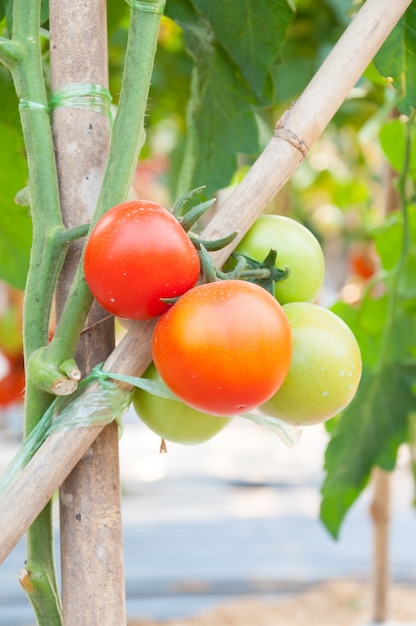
[
  {"x": 250, "y": 32},
  {"x": 396, "y": 59},
  {"x": 226, "y": 82},
  {"x": 393, "y": 139},
  {"x": 368, "y": 434}
]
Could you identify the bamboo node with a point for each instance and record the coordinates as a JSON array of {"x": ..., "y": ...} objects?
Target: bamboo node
[
  {"x": 288, "y": 135},
  {"x": 281, "y": 132}
]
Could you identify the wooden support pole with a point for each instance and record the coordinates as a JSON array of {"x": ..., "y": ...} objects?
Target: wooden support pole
[
  {"x": 92, "y": 570},
  {"x": 294, "y": 135},
  {"x": 380, "y": 515}
]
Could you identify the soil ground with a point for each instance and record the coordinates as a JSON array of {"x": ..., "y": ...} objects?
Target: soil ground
[{"x": 338, "y": 603}]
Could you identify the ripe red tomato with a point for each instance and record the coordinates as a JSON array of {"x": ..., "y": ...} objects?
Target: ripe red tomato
[
  {"x": 173, "y": 420},
  {"x": 137, "y": 254},
  {"x": 224, "y": 347},
  {"x": 12, "y": 386},
  {"x": 363, "y": 261},
  {"x": 325, "y": 370},
  {"x": 296, "y": 247}
]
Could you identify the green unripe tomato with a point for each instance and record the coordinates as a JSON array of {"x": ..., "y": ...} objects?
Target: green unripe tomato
[
  {"x": 325, "y": 369},
  {"x": 296, "y": 247},
  {"x": 173, "y": 420}
]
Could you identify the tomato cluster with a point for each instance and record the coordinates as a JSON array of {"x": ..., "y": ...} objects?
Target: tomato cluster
[{"x": 228, "y": 346}]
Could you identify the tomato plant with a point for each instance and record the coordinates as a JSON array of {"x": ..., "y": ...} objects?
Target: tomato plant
[
  {"x": 224, "y": 347},
  {"x": 173, "y": 420},
  {"x": 137, "y": 254},
  {"x": 325, "y": 369},
  {"x": 296, "y": 247}
]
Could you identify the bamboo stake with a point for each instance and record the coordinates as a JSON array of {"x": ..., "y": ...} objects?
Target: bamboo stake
[
  {"x": 380, "y": 507},
  {"x": 293, "y": 137},
  {"x": 380, "y": 515},
  {"x": 92, "y": 569}
]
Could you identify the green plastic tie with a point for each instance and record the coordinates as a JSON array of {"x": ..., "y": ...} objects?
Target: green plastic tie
[
  {"x": 29, "y": 105},
  {"x": 147, "y": 7},
  {"x": 85, "y": 96}
]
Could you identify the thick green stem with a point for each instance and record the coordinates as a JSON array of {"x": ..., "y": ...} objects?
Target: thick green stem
[
  {"x": 38, "y": 578},
  {"x": 127, "y": 140},
  {"x": 46, "y": 260}
]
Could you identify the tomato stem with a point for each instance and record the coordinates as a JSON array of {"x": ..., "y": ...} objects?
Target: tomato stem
[
  {"x": 263, "y": 273},
  {"x": 190, "y": 218},
  {"x": 215, "y": 244},
  {"x": 178, "y": 209},
  {"x": 24, "y": 58}
]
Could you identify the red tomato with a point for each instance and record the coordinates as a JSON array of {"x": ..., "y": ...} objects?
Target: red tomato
[
  {"x": 12, "y": 386},
  {"x": 363, "y": 262},
  {"x": 224, "y": 347},
  {"x": 137, "y": 254}
]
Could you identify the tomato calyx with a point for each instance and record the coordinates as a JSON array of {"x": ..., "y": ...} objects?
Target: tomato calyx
[
  {"x": 189, "y": 219},
  {"x": 213, "y": 244},
  {"x": 263, "y": 273}
]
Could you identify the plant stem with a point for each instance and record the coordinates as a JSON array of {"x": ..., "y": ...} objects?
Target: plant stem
[
  {"x": 398, "y": 270},
  {"x": 127, "y": 140},
  {"x": 45, "y": 263}
]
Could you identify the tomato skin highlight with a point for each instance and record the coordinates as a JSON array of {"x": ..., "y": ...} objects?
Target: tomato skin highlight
[
  {"x": 224, "y": 347},
  {"x": 173, "y": 420},
  {"x": 325, "y": 370},
  {"x": 137, "y": 254},
  {"x": 296, "y": 247}
]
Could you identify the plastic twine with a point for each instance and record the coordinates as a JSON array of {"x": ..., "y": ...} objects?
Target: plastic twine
[
  {"x": 85, "y": 96},
  {"x": 147, "y": 7},
  {"x": 96, "y": 406},
  {"x": 28, "y": 105}
]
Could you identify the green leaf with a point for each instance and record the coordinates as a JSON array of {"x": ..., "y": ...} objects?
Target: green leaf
[
  {"x": 44, "y": 11},
  {"x": 251, "y": 32},
  {"x": 368, "y": 434},
  {"x": 393, "y": 137},
  {"x": 223, "y": 123},
  {"x": 396, "y": 60},
  {"x": 220, "y": 118},
  {"x": 367, "y": 322},
  {"x": 389, "y": 241},
  {"x": 15, "y": 222},
  {"x": 5, "y": 7}
]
